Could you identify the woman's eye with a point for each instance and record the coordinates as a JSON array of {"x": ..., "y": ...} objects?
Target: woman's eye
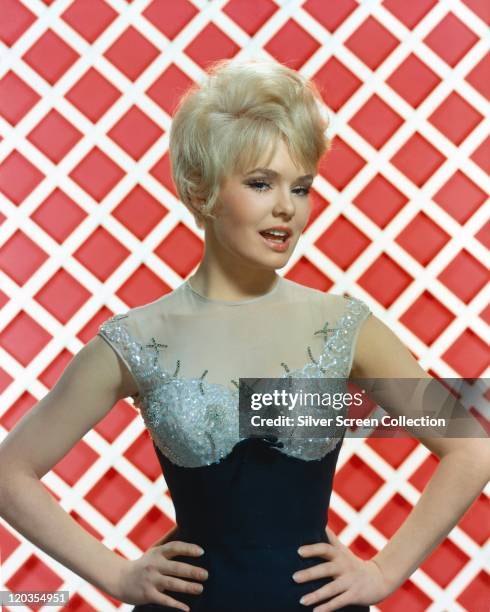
[
  {"x": 255, "y": 185},
  {"x": 303, "y": 191}
]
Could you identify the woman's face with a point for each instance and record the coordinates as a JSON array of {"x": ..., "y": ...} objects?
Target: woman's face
[{"x": 260, "y": 200}]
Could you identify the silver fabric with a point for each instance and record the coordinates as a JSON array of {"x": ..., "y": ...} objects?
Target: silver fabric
[{"x": 187, "y": 352}]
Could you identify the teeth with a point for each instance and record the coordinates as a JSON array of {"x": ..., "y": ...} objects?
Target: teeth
[{"x": 276, "y": 232}]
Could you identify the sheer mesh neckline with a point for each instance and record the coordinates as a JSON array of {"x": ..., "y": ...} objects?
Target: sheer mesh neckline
[{"x": 188, "y": 286}]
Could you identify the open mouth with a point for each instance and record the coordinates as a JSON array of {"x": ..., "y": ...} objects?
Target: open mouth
[
  {"x": 274, "y": 237},
  {"x": 276, "y": 243}
]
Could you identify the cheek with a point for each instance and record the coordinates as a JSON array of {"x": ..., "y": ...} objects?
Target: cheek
[{"x": 247, "y": 212}]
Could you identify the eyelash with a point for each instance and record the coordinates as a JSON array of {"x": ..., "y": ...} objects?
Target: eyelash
[{"x": 254, "y": 184}]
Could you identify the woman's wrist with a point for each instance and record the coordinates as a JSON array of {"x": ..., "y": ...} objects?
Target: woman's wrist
[
  {"x": 392, "y": 579},
  {"x": 113, "y": 578}
]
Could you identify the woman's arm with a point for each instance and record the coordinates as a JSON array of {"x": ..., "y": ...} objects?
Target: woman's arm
[
  {"x": 462, "y": 473},
  {"x": 92, "y": 383}
]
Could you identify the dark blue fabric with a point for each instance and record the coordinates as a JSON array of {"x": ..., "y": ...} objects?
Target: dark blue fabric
[{"x": 251, "y": 512}]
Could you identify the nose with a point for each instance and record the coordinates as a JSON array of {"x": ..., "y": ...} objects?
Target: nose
[{"x": 284, "y": 203}]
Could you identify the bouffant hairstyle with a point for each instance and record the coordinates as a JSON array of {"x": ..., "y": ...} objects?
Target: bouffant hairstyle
[{"x": 232, "y": 121}]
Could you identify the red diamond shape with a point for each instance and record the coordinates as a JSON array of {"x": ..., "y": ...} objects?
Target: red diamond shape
[
  {"x": 475, "y": 520},
  {"x": 337, "y": 13},
  {"x": 20, "y": 257},
  {"x": 18, "y": 177},
  {"x": 380, "y": 200},
  {"x": 24, "y": 338},
  {"x": 162, "y": 172},
  {"x": 34, "y": 575},
  {"x": 170, "y": 17},
  {"x": 306, "y": 273},
  {"x": 371, "y": 42},
  {"x": 142, "y": 287},
  {"x": 376, "y": 122},
  {"x": 427, "y": 318},
  {"x": 91, "y": 21},
  {"x": 341, "y": 164},
  {"x": 131, "y": 53},
  {"x": 142, "y": 455},
  {"x": 250, "y": 21},
  {"x": 392, "y": 515},
  {"x": 21, "y": 405},
  {"x": 318, "y": 205},
  {"x": 481, "y": 155},
  {"x": 418, "y": 159},
  {"x": 16, "y": 18},
  {"x": 407, "y": 597},
  {"x": 52, "y": 373},
  {"x": 451, "y": 39},
  {"x": 135, "y": 132},
  {"x": 54, "y": 136},
  {"x": 62, "y": 296},
  {"x": 97, "y": 174},
  {"x": 50, "y": 56},
  {"x": 5, "y": 379},
  {"x": 336, "y": 83},
  {"x": 211, "y": 44},
  {"x": 480, "y": 8},
  {"x": 113, "y": 495},
  {"x": 150, "y": 528},
  {"x": 75, "y": 463},
  {"x": 181, "y": 250},
  {"x": 169, "y": 87},
  {"x": 484, "y": 235},
  {"x": 460, "y": 197},
  {"x": 115, "y": 421},
  {"x": 93, "y": 95},
  {"x": 413, "y": 80},
  {"x": 423, "y": 473},
  {"x": 409, "y": 13},
  {"x": 465, "y": 276},
  {"x": 357, "y": 482},
  {"x": 468, "y": 355},
  {"x": 385, "y": 280},
  {"x": 140, "y": 212},
  {"x": 101, "y": 254},
  {"x": 455, "y": 118},
  {"x": 58, "y": 215},
  {"x": 292, "y": 45},
  {"x": 9, "y": 542},
  {"x": 475, "y": 595},
  {"x": 423, "y": 238},
  {"x": 342, "y": 242},
  {"x": 16, "y": 98},
  {"x": 479, "y": 77},
  {"x": 445, "y": 563}
]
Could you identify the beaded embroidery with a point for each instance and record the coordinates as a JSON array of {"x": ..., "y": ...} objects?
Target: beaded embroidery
[{"x": 194, "y": 422}]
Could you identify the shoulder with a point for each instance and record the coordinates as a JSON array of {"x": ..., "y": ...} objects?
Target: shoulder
[
  {"x": 306, "y": 293},
  {"x": 132, "y": 319},
  {"x": 380, "y": 353}
]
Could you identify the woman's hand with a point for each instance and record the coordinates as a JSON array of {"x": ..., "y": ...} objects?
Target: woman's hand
[
  {"x": 355, "y": 581},
  {"x": 145, "y": 580}
]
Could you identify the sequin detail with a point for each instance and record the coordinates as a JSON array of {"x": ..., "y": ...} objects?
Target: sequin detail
[{"x": 195, "y": 423}]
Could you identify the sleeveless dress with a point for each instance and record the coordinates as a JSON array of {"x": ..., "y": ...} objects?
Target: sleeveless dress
[{"x": 250, "y": 502}]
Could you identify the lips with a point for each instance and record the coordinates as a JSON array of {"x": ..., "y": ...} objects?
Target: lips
[
  {"x": 277, "y": 245},
  {"x": 280, "y": 228}
]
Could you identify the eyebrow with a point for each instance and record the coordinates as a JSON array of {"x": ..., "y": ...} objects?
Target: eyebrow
[{"x": 273, "y": 173}]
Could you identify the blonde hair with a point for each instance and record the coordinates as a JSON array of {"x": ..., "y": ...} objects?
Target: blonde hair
[{"x": 229, "y": 122}]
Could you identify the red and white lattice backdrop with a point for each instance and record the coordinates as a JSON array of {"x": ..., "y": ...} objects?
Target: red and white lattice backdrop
[{"x": 91, "y": 225}]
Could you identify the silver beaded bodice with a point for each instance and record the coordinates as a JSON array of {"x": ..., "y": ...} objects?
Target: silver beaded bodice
[{"x": 172, "y": 345}]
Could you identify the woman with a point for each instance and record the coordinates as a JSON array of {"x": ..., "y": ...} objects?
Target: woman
[{"x": 251, "y": 532}]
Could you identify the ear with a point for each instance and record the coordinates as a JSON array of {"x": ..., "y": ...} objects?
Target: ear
[{"x": 195, "y": 209}]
